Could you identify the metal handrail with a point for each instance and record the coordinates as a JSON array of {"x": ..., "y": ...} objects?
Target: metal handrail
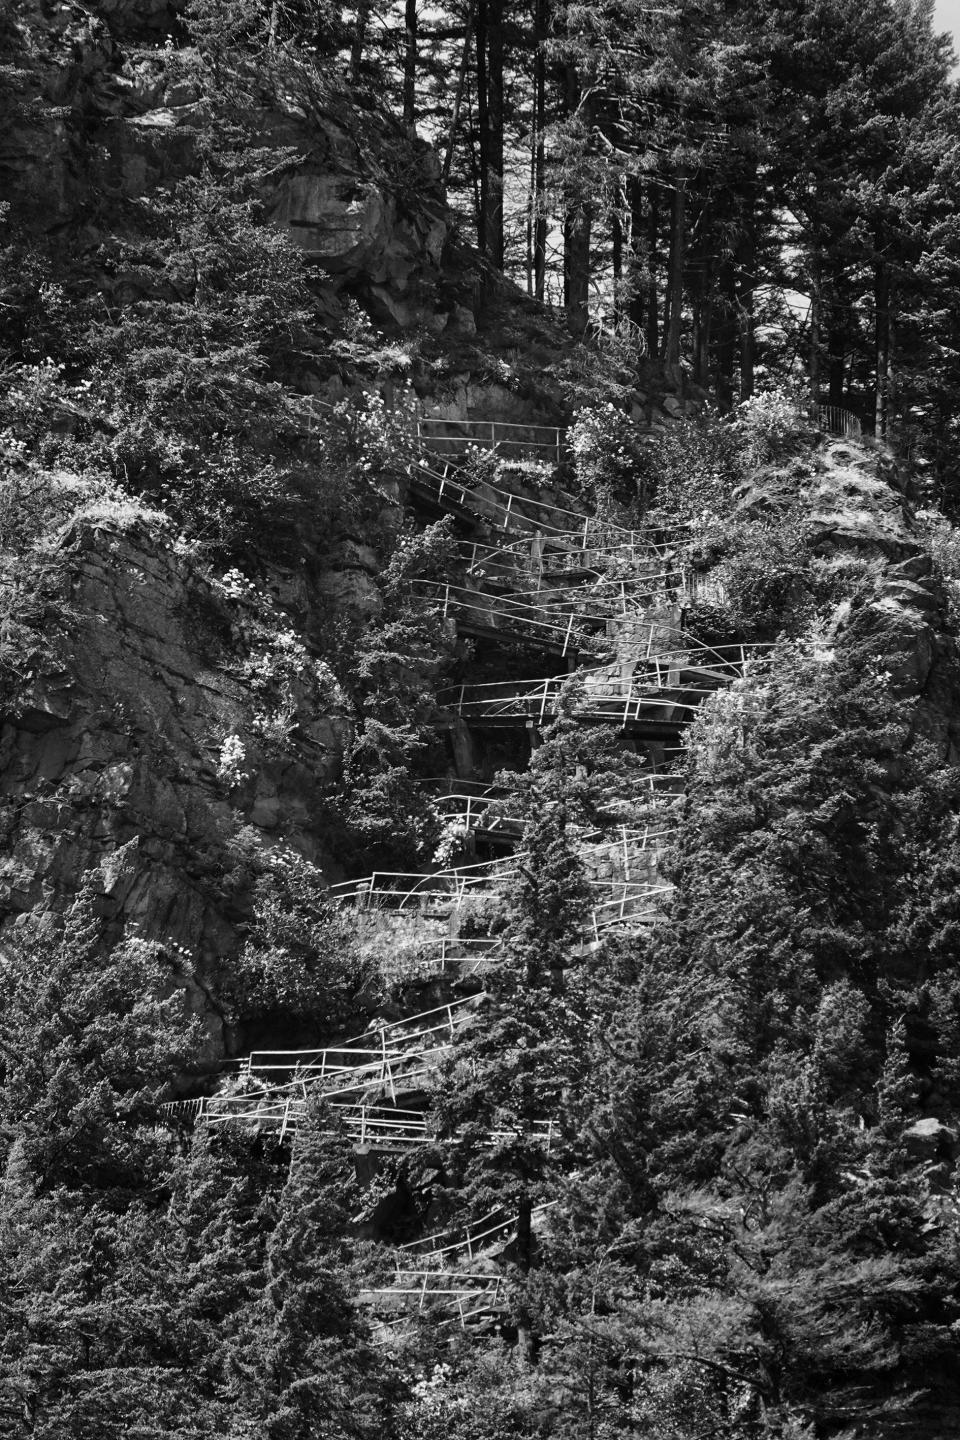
[
  {"x": 490, "y": 434},
  {"x": 837, "y": 420},
  {"x": 673, "y": 674}
]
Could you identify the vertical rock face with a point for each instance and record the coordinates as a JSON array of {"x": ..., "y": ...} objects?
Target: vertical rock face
[
  {"x": 118, "y": 735},
  {"x": 118, "y": 117},
  {"x": 353, "y": 223}
]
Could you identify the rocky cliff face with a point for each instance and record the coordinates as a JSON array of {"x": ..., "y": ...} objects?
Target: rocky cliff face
[
  {"x": 119, "y": 734},
  {"x": 855, "y": 503},
  {"x": 121, "y": 113},
  {"x": 151, "y": 714},
  {"x": 857, "y": 507}
]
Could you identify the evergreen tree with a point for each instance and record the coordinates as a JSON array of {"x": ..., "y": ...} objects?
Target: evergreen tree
[
  {"x": 316, "y": 1367},
  {"x": 88, "y": 1048}
]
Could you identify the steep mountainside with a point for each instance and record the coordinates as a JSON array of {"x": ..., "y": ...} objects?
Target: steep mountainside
[{"x": 479, "y": 910}]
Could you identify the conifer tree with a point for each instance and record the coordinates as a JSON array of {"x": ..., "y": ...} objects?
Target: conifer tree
[
  {"x": 87, "y": 1048},
  {"x": 316, "y": 1365}
]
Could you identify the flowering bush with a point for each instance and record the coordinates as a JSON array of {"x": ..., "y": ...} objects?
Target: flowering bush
[
  {"x": 453, "y": 839},
  {"x": 233, "y": 752},
  {"x": 301, "y": 957},
  {"x": 769, "y": 426},
  {"x": 278, "y": 668},
  {"x": 693, "y": 471},
  {"x": 608, "y": 454},
  {"x": 382, "y": 436}
]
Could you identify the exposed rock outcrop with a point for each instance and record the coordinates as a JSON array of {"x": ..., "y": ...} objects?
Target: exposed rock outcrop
[{"x": 119, "y": 735}]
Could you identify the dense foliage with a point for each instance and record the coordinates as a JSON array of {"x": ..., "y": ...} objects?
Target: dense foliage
[{"x": 722, "y": 1148}]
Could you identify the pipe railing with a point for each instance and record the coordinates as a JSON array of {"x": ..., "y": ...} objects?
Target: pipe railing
[
  {"x": 390, "y": 1040},
  {"x": 564, "y": 626},
  {"x": 566, "y": 553},
  {"x": 433, "y": 432},
  {"x": 665, "y": 679},
  {"x": 507, "y": 511},
  {"x": 469, "y": 1242},
  {"x": 453, "y": 883},
  {"x": 481, "y": 432},
  {"x": 600, "y": 590},
  {"x": 362, "y": 1123},
  {"x": 501, "y": 509},
  {"x": 472, "y": 812},
  {"x": 836, "y": 420}
]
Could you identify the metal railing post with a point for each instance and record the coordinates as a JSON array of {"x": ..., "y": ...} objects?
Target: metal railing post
[{"x": 566, "y": 638}]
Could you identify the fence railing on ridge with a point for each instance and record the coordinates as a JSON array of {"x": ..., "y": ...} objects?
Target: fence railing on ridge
[
  {"x": 436, "y": 433},
  {"x": 837, "y": 420},
  {"x": 679, "y": 680},
  {"x": 561, "y": 627}
]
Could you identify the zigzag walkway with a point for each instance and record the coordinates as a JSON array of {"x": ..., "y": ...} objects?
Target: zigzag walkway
[
  {"x": 280, "y": 1109},
  {"x": 458, "y": 1296},
  {"x": 444, "y": 483},
  {"x": 452, "y": 889},
  {"x": 484, "y": 810},
  {"x": 592, "y": 551},
  {"x": 534, "y": 568},
  {"x": 397, "y": 1060},
  {"x": 439, "y": 1286},
  {"x": 557, "y": 621},
  {"x": 663, "y": 690},
  {"x": 542, "y": 526},
  {"x": 565, "y": 588}
]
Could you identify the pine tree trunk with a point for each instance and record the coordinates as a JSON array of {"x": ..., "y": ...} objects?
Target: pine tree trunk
[
  {"x": 531, "y": 208},
  {"x": 539, "y": 181},
  {"x": 637, "y": 278},
  {"x": 700, "y": 281},
  {"x": 653, "y": 260},
  {"x": 524, "y": 1251},
  {"x": 837, "y": 341},
  {"x": 458, "y": 97},
  {"x": 577, "y": 230},
  {"x": 359, "y": 39},
  {"x": 745, "y": 286},
  {"x": 724, "y": 350},
  {"x": 410, "y": 63},
  {"x": 702, "y": 335},
  {"x": 884, "y": 348},
  {"x": 815, "y": 311},
  {"x": 674, "y": 302},
  {"x": 616, "y": 246},
  {"x": 836, "y": 360},
  {"x": 483, "y": 124},
  {"x": 494, "y": 245}
]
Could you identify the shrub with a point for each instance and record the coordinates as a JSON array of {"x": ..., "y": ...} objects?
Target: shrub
[
  {"x": 943, "y": 542},
  {"x": 770, "y": 427},
  {"x": 608, "y": 456},
  {"x": 301, "y": 960},
  {"x": 765, "y": 576},
  {"x": 693, "y": 469}
]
